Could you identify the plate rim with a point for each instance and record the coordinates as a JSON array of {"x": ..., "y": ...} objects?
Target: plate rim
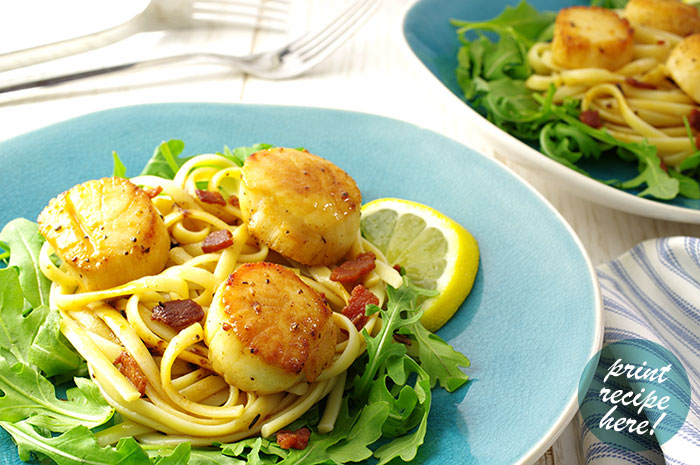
[
  {"x": 571, "y": 407},
  {"x": 505, "y": 144}
]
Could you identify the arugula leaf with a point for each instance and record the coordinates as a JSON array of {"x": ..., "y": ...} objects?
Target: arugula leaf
[
  {"x": 119, "y": 168},
  {"x": 389, "y": 369},
  {"x": 28, "y": 395},
  {"x": 523, "y": 22},
  {"x": 50, "y": 350},
  {"x": 401, "y": 311},
  {"x": 211, "y": 457},
  {"x": 77, "y": 446},
  {"x": 165, "y": 160},
  {"x": 179, "y": 455},
  {"x": 24, "y": 242},
  {"x": 34, "y": 338},
  {"x": 366, "y": 430},
  {"x": 239, "y": 154},
  {"x": 687, "y": 186},
  {"x": 611, "y": 4},
  {"x": 406, "y": 445},
  {"x": 255, "y": 451},
  {"x": 439, "y": 359},
  {"x": 184, "y": 453}
]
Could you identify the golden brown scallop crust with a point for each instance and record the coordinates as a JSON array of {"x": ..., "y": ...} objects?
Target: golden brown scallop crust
[
  {"x": 591, "y": 37},
  {"x": 107, "y": 231},
  {"x": 668, "y": 15},
  {"x": 683, "y": 65},
  {"x": 300, "y": 205},
  {"x": 269, "y": 316}
]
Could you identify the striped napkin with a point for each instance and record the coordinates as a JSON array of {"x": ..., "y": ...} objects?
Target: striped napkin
[{"x": 653, "y": 292}]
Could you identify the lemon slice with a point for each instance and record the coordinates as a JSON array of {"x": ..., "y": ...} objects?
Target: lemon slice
[{"x": 435, "y": 251}]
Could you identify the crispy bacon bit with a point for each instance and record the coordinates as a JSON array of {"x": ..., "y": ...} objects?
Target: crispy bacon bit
[
  {"x": 591, "y": 118},
  {"x": 152, "y": 193},
  {"x": 351, "y": 271},
  {"x": 298, "y": 439},
  {"x": 217, "y": 240},
  {"x": 639, "y": 84},
  {"x": 233, "y": 200},
  {"x": 210, "y": 197},
  {"x": 128, "y": 367},
  {"x": 660, "y": 42},
  {"x": 178, "y": 314},
  {"x": 360, "y": 297},
  {"x": 402, "y": 339},
  {"x": 694, "y": 119},
  {"x": 397, "y": 267}
]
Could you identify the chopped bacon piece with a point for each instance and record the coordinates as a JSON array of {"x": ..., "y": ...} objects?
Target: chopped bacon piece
[
  {"x": 694, "y": 119},
  {"x": 217, "y": 240},
  {"x": 351, "y": 271},
  {"x": 128, "y": 367},
  {"x": 152, "y": 193},
  {"x": 210, "y": 197},
  {"x": 639, "y": 84},
  {"x": 360, "y": 297},
  {"x": 178, "y": 314},
  {"x": 591, "y": 118},
  {"x": 298, "y": 439}
]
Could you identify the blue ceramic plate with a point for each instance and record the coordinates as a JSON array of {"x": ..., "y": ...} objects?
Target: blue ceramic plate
[
  {"x": 433, "y": 41},
  {"x": 531, "y": 322}
]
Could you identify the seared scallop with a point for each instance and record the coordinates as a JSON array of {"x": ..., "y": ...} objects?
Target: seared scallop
[
  {"x": 300, "y": 205},
  {"x": 591, "y": 37},
  {"x": 684, "y": 66},
  {"x": 668, "y": 15},
  {"x": 267, "y": 330},
  {"x": 107, "y": 232}
]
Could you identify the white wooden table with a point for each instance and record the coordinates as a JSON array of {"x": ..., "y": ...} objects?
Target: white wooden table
[{"x": 373, "y": 73}]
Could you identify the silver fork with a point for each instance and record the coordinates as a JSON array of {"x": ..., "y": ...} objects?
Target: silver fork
[
  {"x": 288, "y": 61},
  {"x": 160, "y": 15}
]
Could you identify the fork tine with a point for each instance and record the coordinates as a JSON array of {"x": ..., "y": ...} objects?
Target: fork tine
[
  {"x": 279, "y": 6},
  {"x": 216, "y": 14},
  {"x": 283, "y": 6},
  {"x": 275, "y": 25},
  {"x": 316, "y": 48},
  {"x": 345, "y": 19},
  {"x": 242, "y": 13}
]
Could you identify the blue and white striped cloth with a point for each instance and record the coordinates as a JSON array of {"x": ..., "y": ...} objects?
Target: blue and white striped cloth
[{"x": 653, "y": 292}]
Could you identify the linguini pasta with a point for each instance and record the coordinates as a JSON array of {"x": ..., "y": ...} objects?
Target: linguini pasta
[
  {"x": 184, "y": 398},
  {"x": 636, "y": 102}
]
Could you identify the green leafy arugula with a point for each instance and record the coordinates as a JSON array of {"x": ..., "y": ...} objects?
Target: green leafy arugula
[
  {"x": 239, "y": 154},
  {"x": 74, "y": 447},
  {"x": 22, "y": 241},
  {"x": 492, "y": 76}
]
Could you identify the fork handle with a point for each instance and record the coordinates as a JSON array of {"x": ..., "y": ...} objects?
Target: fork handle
[
  {"x": 23, "y": 84},
  {"x": 68, "y": 47}
]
